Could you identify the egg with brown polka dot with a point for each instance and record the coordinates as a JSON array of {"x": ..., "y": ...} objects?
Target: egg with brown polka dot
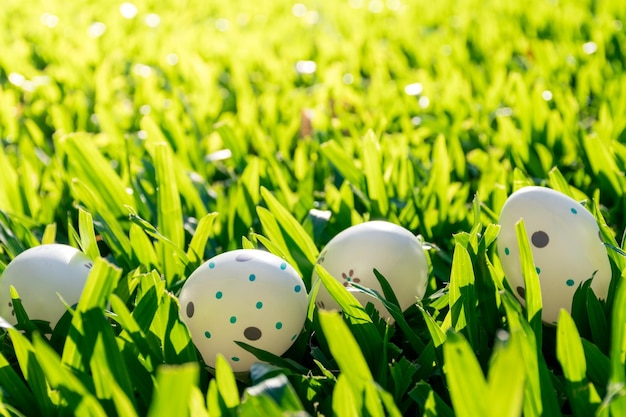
[
  {"x": 565, "y": 241},
  {"x": 245, "y": 295},
  {"x": 40, "y": 275}
]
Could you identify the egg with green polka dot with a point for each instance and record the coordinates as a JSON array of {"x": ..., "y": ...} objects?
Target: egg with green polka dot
[
  {"x": 566, "y": 245},
  {"x": 245, "y": 295}
]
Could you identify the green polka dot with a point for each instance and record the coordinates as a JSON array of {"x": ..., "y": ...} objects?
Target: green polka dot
[
  {"x": 259, "y": 305},
  {"x": 207, "y": 335},
  {"x": 279, "y": 325},
  {"x": 252, "y": 277},
  {"x": 573, "y": 210},
  {"x": 570, "y": 282},
  {"x": 297, "y": 288},
  {"x": 235, "y": 359},
  {"x": 294, "y": 337},
  {"x": 538, "y": 269},
  {"x": 283, "y": 266},
  {"x": 211, "y": 265},
  {"x": 233, "y": 319},
  {"x": 218, "y": 295},
  {"x": 507, "y": 251}
]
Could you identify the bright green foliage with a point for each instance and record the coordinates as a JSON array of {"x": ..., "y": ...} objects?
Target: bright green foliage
[
  {"x": 531, "y": 281},
  {"x": 154, "y": 135},
  {"x": 468, "y": 387},
  {"x": 571, "y": 355}
]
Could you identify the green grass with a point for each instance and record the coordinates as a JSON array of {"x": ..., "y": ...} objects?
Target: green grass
[{"x": 154, "y": 147}]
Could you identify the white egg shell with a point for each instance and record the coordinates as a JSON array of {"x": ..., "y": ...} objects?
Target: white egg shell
[
  {"x": 244, "y": 295},
  {"x": 565, "y": 241},
  {"x": 352, "y": 255},
  {"x": 38, "y": 274}
]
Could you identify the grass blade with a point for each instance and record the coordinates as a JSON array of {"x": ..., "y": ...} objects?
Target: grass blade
[
  {"x": 197, "y": 407},
  {"x": 539, "y": 396},
  {"x": 291, "y": 226},
  {"x": 88, "y": 164},
  {"x": 105, "y": 222},
  {"x": 343, "y": 163},
  {"x": 133, "y": 331},
  {"x": 430, "y": 401},
  {"x": 390, "y": 296},
  {"x": 616, "y": 394},
  {"x": 14, "y": 388},
  {"x": 345, "y": 403},
  {"x": 99, "y": 286},
  {"x": 88, "y": 241},
  {"x": 143, "y": 249},
  {"x": 359, "y": 321},
  {"x": 463, "y": 295},
  {"x": 350, "y": 359},
  {"x": 31, "y": 368},
  {"x": 396, "y": 313},
  {"x": 195, "y": 251},
  {"x": 268, "y": 357},
  {"x": 345, "y": 349},
  {"x": 107, "y": 363},
  {"x": 466, "y": 382},
  {"x": 123, "y": 404},
  {"x": 79, "y": 400},
  {"x": 276, "y": 238},
  {"x": 279, "y": 390},
  {"x": 169, "y": 212},
  {"x": 174, "y": 387},
  {"x": 597, "y": 321},
  {"x": 436, "y": 333},
  {"x": 49, "y": 234},
  {"x": 531, "y": 282},
  {"x": 598, "y": 366},
  {"x": 507, "y": 376},
  {"x": 235, "y": 144},
  {"x": 582, "y": 395},
  {"x": 372, "y": 163},
  {"x": 226, "y": 384}
]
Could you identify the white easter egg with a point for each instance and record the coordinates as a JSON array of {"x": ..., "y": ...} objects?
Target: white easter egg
[
  {"x": 244, "y": 295},
  {"x": 38, "y": 274},
  {"x": 352, "y": 255},
  {"x": 565, "y": 241}
]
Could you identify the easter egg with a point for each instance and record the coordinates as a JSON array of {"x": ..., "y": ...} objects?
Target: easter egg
[
  {"x": 38, "y": 274},
  {"x": 244, "y": 295},
  {"x": 565, "y": 241},
  {"x": 352, "y": 255}
]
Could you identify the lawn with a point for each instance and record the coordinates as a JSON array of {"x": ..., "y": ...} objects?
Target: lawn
[{"x": 155, "y": 135}]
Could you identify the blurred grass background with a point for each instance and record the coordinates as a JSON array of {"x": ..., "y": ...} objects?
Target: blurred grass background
[{"x": 138, "y": 122}]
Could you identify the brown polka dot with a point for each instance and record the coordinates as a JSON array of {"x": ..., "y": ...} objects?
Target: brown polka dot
[
  {"x": 190, "y": 309},
  {"x": 252, "y": 333},
  {"x": 522, "y": 292},
  {"x": 540, "y": 239}
]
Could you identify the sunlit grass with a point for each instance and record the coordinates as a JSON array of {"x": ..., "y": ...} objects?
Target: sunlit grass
[{"x": 156, "y": 134}]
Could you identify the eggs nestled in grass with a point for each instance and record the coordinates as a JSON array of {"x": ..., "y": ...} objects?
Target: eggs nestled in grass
[
  {"x": 352, "y": 255},
  {"x": 244, "y": 295},
  {"x": 565, "y": 241},
  {"x": 38, "y": 274}
]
